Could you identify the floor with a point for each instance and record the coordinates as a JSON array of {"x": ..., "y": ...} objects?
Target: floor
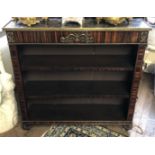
[
  {"x": 17, "y": 131},
  {"x": 144, "y": 118}
]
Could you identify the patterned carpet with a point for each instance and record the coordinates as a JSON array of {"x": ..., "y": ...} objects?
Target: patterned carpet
[{"x": 86, "y": 131}]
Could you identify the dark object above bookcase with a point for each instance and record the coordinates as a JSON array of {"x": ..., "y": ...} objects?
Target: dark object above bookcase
[{"x": 77, "y": 74}]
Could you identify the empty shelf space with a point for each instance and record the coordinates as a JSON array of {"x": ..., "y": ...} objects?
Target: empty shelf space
[
  {"x": 75, "y": 88},
  {"x": 78, "y": 112},
  {"x": 52, "y": 62},
  {"x": 77, "y": 49},
  {"x": 77, "y": 75}
]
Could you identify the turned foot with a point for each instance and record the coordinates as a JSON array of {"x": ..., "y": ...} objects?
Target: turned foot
[{"x": 26, "y": 126}]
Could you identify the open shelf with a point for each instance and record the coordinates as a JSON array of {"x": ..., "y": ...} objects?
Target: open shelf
[
  {"x": 77, "y": 82},
  {"x": 77, "y": 57},
  {"x": 73, "y": 49},
  {"x": 32, "y": 76},
  {"x": 68, "y": 68},
  {"x": 78, "y": 112},
  {"x": 77, "y": 88},
  {"x": 86, "y": 61},
  {"x": 71, "y": 100}
]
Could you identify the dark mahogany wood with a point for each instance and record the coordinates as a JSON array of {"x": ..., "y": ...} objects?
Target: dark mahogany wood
[
  {"x": 58, "y": 36},
  {"x": 81, "y": 75},
  {"x": 19, "y": 81}
]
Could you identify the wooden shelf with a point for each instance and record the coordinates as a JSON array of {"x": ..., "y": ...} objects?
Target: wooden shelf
[
  {"x": 81, "y": 100},
  {"x": 57, "y": 68},
  {"x": 32, "y": 76},
  {"x": 78, "y": 57},
  {"x": 56, "y": 62},
  {"x": 78, "y": 112},
  {"x": 75, "y": 88},
  {"x": 42, "y": 50}
]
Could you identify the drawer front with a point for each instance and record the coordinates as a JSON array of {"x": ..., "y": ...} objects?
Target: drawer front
[{"x": 77, "y": 37}]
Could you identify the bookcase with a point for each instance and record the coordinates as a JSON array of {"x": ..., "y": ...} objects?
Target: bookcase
[{"x": 77, "y": 74}]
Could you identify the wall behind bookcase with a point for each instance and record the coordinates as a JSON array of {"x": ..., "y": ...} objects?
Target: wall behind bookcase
[{"x": 5, "y": 53}]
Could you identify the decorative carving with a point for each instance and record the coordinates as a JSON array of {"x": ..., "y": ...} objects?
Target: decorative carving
[
  {"x": 143, "y": 37},
  {"x": 77, "y": 38},
  {"x": 10, "y": 36},
  {"x": 142, "y": 46}
]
